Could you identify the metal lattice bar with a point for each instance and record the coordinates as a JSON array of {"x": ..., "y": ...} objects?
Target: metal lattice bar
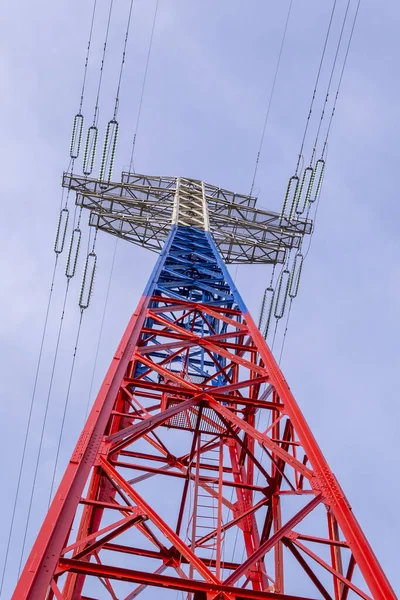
[{"x": 142, "y": 209}]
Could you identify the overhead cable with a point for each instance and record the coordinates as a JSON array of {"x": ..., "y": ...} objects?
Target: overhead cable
[{"x": 270, "y": 98}]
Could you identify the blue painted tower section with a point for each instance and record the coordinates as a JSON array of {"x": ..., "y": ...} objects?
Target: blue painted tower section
[{"x": 190, "y": 268}]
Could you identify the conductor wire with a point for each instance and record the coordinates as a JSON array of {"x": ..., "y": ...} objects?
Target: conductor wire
[
  {"x": 270, "y": 98},
  {"x": 123, "y": 59},
  {"x": 101, "y": 327},
  {"x": 28, "y": 426},
  {"x": 103, "y": 58},
  {"x": 131, "y": 165},
  {"x": 315, "y": 87},
  {"x": 66, "y": 402},
  {"x": 43, "y": 428},
  {"x": 87, "y": 56},
  {"x": 305, "y": 256},
  {"x": 330, "y": 82},
  {"x": 341, "y": 77}
]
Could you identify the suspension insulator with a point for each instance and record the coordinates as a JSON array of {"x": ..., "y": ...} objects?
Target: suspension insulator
[
  {"x": 282, "y": 294},
  {"x": 318, "y": 176},
  {"x": 110, "y": 146},
  {"x": 305, "y": 189},
  {"x": 290, "y": 196},
  {"x": 76, "y": 137},
  {"x": 264, "y": 304},
  {"x": 61, "y": 231},
  {"x": 295, "y": 275},
  {"x": 90, "y": 149},
  {"x": 266, "y": 309},
  {"x": 264, "y": 300},
  {"x": 87, "y": 281},
  {"x": 73, "y": 253}
]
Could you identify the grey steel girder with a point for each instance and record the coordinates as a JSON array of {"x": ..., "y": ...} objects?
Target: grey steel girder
[{"x": 142, "y": 209}]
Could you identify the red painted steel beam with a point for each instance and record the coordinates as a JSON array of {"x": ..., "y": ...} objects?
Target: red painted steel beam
[
  {"x": 274, "y": 539},
  {"x": 165, "y": 556},
  {"x": 321, "y": 588},
  {"x": 202, "y": 478},
  {"x": 159, "y": 522},
  {"x": 168, "y": 582},
  {"x": 335, "y": 573}
]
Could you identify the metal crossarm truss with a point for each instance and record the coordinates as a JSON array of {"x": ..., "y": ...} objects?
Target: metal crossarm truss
[
  {"x": 142, "y": 209},
  {"x": 196, "y": 471}
]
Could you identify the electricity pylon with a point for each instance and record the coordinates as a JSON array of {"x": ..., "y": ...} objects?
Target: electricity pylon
[{"x": 176, "y": 482}]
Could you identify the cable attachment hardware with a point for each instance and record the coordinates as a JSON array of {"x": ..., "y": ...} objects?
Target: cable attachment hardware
[
  {"x": 110, "y": 145},
  {"x": 76, "y": 138},
  {"x": 61, "y": 231},
  {"x": 305, "y": 190},
  {"x": 87, "y": 281},
  {"x": 282, "y": 294},
  {"x": 295, "y": 275},
  {"x": 90, "y": 150},
  {"x": 318, "y": 176},
  {"x": 73, "y": 253},
  {"x": 290, "y": 196}
]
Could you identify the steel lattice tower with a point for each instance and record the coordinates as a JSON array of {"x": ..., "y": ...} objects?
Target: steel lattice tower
[{"x": 172, "y": 465}]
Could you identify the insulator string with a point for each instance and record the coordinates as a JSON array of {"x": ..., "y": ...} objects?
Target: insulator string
[
  {"x": 73, "y": 253},
  {"x": 131, "y": 165},
  {"x": 109, "y": 149},
  {"x": 304, "y": 257},
  {"x": 89, "y": 155},
  {"x": 295, "y": 275},
  {"x": 61, "y": 231},
  {"x": 264, "y": 129},
  {"x": 88, "y": 280},
  {"x": 306, "y": 186}
]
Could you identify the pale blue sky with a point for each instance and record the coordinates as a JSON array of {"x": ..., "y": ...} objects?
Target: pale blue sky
[{"x": 209, "y": 81}]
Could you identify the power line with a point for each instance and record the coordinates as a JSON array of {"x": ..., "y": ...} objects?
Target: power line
[
  {"x": 123, "y": 59},
  {"x": 143, "y": 87},
  {"x": 101, "y": 326},
  {"x": 330, "y": 81},
  {"x": 66, "y": 402},
  {"x": 341, "y": 76},
  {"x": 28, "y": 426},
  {"x": 103, "y": 58},
  {"x": 43, "y": 429},
  {"x": 316, "y": 86},
  {"x": 270, "y": 98}
]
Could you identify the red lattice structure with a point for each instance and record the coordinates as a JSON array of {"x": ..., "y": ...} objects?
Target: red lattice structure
[{"x": 196, "y": 471}]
